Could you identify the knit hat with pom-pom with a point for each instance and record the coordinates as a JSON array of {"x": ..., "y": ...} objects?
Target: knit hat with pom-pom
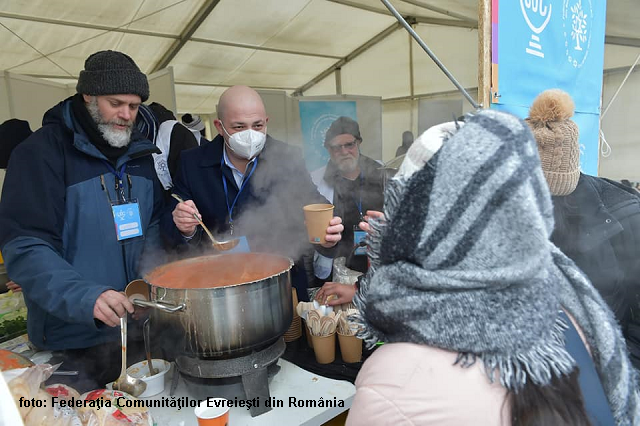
[{"x": 557, "y": 138}]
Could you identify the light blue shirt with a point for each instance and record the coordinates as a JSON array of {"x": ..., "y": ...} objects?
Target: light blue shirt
[
  {"x": 322, "y": 265},
  {"x": 238, "y": 176}
]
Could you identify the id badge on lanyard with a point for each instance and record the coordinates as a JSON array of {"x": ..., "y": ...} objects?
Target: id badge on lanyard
[
  {"x": 126, "y": 216},
  {"x": 359, "y": 237},
  {"x": 126, "y": 211}
]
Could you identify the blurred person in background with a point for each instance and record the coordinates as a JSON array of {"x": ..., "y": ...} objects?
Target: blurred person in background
[
  {"x": 333, "y": 293},
  {"x": 12, "y": 132},
  {"x": 195, "y": 124},
  {"x": 407, "y": 140},
  {"x": 353, "y": 183},
  {"x": 160, "y": 126}
]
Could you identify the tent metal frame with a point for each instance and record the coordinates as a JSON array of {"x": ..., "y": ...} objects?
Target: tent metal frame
[
  {"x": 350, "y": 57},
  {"x": 450, "y": 19},
  {"x": 188, "y": 31}
]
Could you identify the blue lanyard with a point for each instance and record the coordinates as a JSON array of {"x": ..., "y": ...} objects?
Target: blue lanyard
[
  {"x": 226, "y": 193},
  {"x": 118, "y": 175},
  {"x": 359, "y": 200}
]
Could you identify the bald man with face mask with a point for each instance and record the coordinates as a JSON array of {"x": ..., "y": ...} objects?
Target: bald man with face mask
[{"x": 247, "y": 185}]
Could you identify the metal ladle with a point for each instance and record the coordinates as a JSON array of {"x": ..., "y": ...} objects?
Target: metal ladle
[
  {"x": 147, "y": 347},
  {"x": 218, "y": 245},
  {"x": 126, "y": 383}
]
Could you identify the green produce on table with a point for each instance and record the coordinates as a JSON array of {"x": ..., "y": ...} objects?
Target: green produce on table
[
  {"x": 12, "y": 326},
  {"x": 13, "y": 315}
]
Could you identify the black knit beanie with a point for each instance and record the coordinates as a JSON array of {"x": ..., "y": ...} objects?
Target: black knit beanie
[
  {"x": 343, "y": 125},
  {"x": 112, "y": 73}
]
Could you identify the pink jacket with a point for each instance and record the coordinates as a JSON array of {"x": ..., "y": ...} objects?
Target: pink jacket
[{"x": 410, "y": 384}]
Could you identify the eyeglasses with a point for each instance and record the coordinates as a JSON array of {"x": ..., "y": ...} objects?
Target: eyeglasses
[{"x": 348, "y": 146}]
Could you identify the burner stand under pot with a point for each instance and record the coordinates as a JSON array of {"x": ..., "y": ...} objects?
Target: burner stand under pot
[{"x": 243, "y": 377}]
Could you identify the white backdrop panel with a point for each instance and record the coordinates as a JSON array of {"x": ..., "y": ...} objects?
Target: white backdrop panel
[{"x": 621, "y": 128}]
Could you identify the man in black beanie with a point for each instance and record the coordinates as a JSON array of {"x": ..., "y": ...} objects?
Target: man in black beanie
[{"x": 77, "y": 215}]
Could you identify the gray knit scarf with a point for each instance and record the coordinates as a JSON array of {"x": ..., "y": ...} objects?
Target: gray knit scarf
[{"x": 464, "y": 263}]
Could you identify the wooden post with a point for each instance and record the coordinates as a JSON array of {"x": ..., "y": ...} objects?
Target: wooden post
[{"x": 484, "y": 53}]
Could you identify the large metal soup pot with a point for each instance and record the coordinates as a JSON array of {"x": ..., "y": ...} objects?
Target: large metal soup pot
[{"x": 221, "y": 306}]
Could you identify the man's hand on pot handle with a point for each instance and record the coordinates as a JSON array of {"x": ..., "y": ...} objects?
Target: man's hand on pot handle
[
  {"x": 334, "y": 232},
  {"x": 111, "y": 306}
]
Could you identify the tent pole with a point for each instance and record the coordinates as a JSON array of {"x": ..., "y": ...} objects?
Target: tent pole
[
  {"x": 430, "y": 53},
  {"x": 411, "y": 85},
  {"x": 484, "y": 53}
]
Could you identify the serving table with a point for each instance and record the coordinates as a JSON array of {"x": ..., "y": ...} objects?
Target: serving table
[{"x": 290, "y": 382}]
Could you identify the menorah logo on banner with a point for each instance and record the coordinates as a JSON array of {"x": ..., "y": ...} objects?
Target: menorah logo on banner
[{"x": 536, "y": 11}]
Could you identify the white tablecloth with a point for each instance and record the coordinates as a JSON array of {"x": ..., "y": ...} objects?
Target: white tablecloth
[{"x": 290, "y": 382}]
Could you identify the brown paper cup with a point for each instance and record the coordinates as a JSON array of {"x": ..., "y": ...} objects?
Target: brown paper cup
[
  {"x": 350, "y": 348},
  {"x": 309, "y": 340},
  {"x": 137, "y": 289},
  {"x": 324, "y": 348},
  {"x": 317, "y": 218}
]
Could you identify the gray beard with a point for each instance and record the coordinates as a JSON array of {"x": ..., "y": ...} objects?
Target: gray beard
[
  {"x": 347, "y": 166},
  {"x": 114, "y": 137}
]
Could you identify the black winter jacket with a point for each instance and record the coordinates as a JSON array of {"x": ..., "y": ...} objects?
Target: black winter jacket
[{"x": 598, "y": 227}]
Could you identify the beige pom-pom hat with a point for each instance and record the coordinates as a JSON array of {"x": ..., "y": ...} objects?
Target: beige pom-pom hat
[{"x": 557, "y": 138}]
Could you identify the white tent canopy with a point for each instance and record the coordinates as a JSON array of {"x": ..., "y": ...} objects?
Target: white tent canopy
[{"x": 302, "y": 47}]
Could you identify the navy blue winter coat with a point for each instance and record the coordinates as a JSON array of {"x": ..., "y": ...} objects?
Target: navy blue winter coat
[{"x": 57, "y": 232}]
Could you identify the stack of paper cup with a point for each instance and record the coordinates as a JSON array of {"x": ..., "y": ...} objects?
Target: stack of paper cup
[{"x": 295, "y": 330}]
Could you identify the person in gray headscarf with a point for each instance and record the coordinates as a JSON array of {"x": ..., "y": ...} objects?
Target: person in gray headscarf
[{"x": 484, "y": 320}]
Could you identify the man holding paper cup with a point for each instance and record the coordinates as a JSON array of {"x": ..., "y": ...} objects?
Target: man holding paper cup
[
  {"x": 249, "y": 186},
  {"x": 353, "y": 182}
]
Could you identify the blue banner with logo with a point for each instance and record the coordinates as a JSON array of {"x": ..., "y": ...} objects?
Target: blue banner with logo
[
  {"x": 315, "y": 119},
  {"x": 546, "y": 44}
]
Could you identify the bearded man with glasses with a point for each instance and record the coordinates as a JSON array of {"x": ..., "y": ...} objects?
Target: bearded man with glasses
[{"x": 354, "y": 184}]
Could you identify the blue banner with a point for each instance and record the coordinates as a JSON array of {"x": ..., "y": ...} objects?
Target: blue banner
[
  {"x": 546, "y": 44},
  {"x": 315, "y": 119}
]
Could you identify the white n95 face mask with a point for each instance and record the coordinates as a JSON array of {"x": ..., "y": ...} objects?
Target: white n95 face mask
[{"x": 247, "y": 143}]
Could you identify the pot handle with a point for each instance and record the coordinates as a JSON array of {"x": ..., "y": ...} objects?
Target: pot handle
[{"x": 162, "y": 306}]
